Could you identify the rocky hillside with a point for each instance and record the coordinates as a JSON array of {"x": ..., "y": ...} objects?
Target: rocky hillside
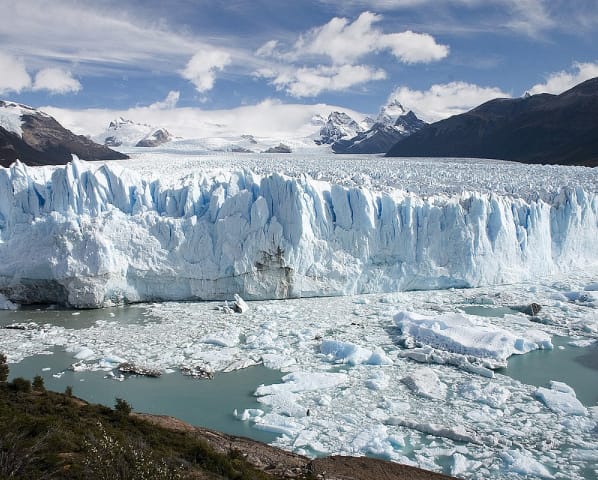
[
  {"x": 36, "y": 138},
  {"x": 548, "y": 129}
]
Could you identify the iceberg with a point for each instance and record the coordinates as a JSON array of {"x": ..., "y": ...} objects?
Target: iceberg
[
  {"x": 88, "y": 236},
  {"x": 464, "y": 335},
  {"x": 561, "y": 399}
]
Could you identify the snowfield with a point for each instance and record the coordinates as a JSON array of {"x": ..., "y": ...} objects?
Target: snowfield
[{"x": 170, "y": 226}]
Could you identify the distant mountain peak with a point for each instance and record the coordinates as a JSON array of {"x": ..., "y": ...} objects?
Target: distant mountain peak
[
  {"x": 390, "y": 112},
  {"x": 125, "y": 132},
  {"x": 338, "y": 125}
]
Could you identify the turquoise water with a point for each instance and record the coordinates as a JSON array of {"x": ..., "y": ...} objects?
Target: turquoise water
[
  {"x": 126, "y": 315},
  {"x": 207, "y": 403},
  {"x": 577, "y": 367}
]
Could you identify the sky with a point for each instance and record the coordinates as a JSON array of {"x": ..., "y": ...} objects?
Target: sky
[{"x": 186, "y": 59}]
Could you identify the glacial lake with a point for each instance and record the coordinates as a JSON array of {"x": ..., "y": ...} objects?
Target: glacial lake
[{"x": 206, "y": 403}]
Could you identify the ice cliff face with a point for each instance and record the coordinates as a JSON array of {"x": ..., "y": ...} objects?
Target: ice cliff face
[{"x": 90, "y": 238}]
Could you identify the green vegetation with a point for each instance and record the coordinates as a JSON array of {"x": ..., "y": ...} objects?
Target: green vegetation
[{"x": 51, "y": 435}]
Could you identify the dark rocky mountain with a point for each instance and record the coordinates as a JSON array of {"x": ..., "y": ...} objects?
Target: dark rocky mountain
[
  {"x": 36, "y": 138},
  {"x": 280, "y": 148},
  {"x": 548, "y": 129},
  {"x": 383, "y": 134}
]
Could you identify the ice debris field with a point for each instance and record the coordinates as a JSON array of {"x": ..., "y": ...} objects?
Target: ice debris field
[{"x": 410, "y": 376}]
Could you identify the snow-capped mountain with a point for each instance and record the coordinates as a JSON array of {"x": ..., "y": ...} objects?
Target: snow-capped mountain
[
  {"x": 36, "y": 138},
  {"x": 390, "y": 113},
  {"x": 123, "y": 132},
  {"x": 340, "y": 125},
  {"x": 393, "y": 123}
]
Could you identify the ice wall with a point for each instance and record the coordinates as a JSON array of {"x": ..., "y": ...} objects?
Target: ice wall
[{"x": 90, "y": 237}]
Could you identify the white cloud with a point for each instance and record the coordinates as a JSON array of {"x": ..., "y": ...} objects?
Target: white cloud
[
  {"x": 14, "y": 76},
  {"x": 558, "y": 82},
  {"x": 56, "y": 80},
  {"x": 410, "y": 47},
  {"x": 529, "y": 17},
  {"x": 201, "y": 69},
  {"x": 346, "y": 42},
  {"x": 89, "y": 34},
  {"x": 444, "y": 100},
  {"x": 169, "y": 102},
  {"x": 269, "y": 118},
  {"x": 309, "y": 82},
  {"x": 343, "y": 43}
]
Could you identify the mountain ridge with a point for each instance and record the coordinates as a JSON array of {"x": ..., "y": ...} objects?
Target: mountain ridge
[
  {"x": 36, "y": 138},
  {"x": 543, "y": 128}
]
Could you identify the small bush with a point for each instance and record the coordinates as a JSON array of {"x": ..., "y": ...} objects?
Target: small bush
[
  {"x": 122, "y": 407},
  {"x": 3, "y": 368},
  {"x": 38, "y": 384},
  {"x": 20, "y": 384},
  {"x": 68, "y": 391}
]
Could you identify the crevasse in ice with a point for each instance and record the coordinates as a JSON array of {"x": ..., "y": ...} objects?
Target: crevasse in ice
[{"x": 92, "y": 236}]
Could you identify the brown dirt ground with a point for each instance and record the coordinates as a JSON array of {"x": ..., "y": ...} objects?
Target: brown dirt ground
[{"x": 290, "y": 465}]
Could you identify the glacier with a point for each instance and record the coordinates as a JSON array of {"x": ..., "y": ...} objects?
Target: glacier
[{"x": 90, "y": 235}]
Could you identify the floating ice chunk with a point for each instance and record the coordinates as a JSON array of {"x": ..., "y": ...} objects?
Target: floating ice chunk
[
  {"x": 240, "y": 306},
  {"x": 491, "y": 394},
  {"x": 561, "y": 399},
  {"x": 461, "y": 465},
  {"x": 379, "y": 357},
  {"x": 458, "y": 433},
  {"x": 426, "y": 383},
  {"x": 303, "y": 382},
  {"x": 307, "y": 440},
  {"x": 583, "y": 343},
  {"x": 285, "y": 403},
  {"x": 562, "y": 387},
  {"x": 463, "y": 334},
  {"x": 347, "y": 352},
  {"x": 84, "y": 354},
  {"x": 522, "y": 462},
  {"x": 272, "y": 422},
  {"x": 225, "y": 338},
  {"x": 240, "y": 365},
  {"x": 277, "y": 361},
  {"x": 6, "y": 304},
  {"x": 250, "y": 414},
  {"x": 378, "y": 381},
  {"x": 428, "y": 354},
  {"x": 376, "y": 441}
]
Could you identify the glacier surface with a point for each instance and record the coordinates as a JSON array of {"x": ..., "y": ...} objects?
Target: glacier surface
[{"x": 89, "y": 235}]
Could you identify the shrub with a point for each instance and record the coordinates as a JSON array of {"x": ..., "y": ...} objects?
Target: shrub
[
  {"x": 68, "y": 391},
  {"x": 38, "y": 384},
  {"x": 20, "y": 384},
  {"x": 122, "y": 407},
  {"x": 3, "y": 368}
]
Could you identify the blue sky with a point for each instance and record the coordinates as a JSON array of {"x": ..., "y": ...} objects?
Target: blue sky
[{"x": 438, "y": 57}]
